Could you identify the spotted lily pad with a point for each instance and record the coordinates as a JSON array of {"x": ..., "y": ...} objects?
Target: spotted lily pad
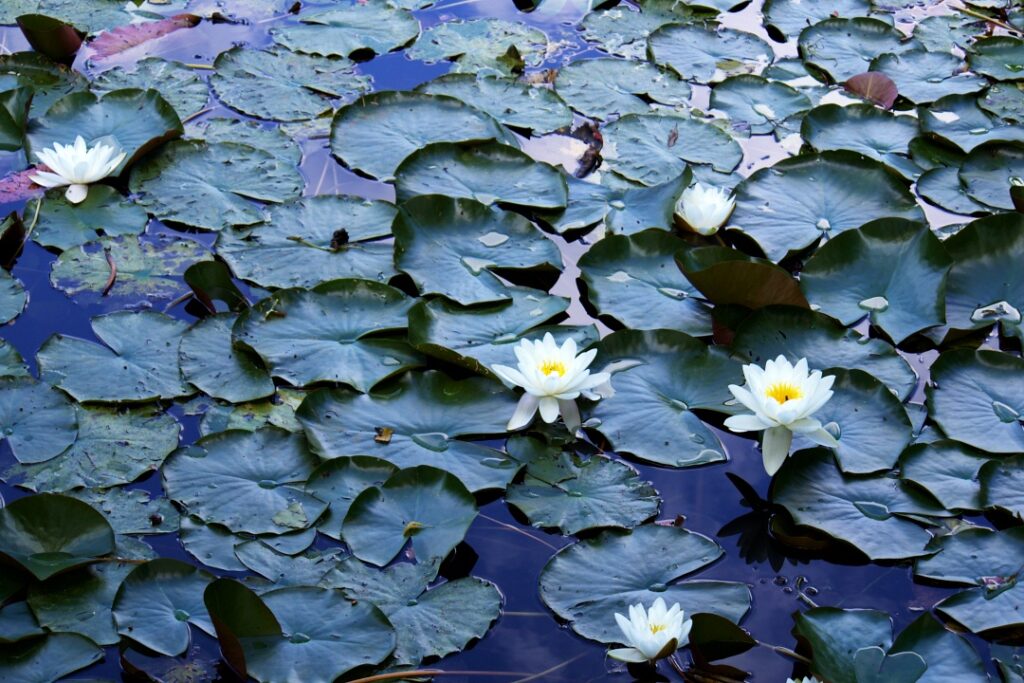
[
  {"x": 333, "y": 333},
  {"x": 211, "y": 363},
  {"x": 756, "y": 105},
  {"x": 348, "y": 29},
  {"x": 48, "y": 658},
  {"x": 64, "y": 225},
  {"x": 948, "y": 470},
  {"x": 36, "y": 422},
  {"x": 490, "y": 46},
  {"x": 922, "y": 76},
  {"x": 838, "y": 49},
  {"x": 131, "y": 511},
  {"x": 12, "y": 297},
  {"x": 81, "y": 601},
  {"x": 48, "y": 80},
  {"x": 704, "y": 54},
  {"x": 623, "y": 29},
  {"x": 138, "y": 361},
  {"x": 989, "y": 170},
  {"x": 960, "y": 120},
  {"x": 587, "y": 582},
  {"x": 513, "y": 103},
  {"x": 865, "y": 129},
  {"x": 787, "y": 18},
  {"x": 999, "y": 57},
  {"x": 1001, "y": 488},
  {"x": 179, "y": 85},
  {"x": 246, "y": 481},
  {"x": 603, "y": 88}
]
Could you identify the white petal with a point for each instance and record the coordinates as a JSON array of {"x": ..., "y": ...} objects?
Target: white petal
[
  {"x": 822, "y": 438},
  {"x": 549, "y": 409},
  {"x": 47, "y": 179},
  {"x": 509, "y": 375},
  {"x": 525, "y": 410},
  {"x": 627, "y": 654},
  {"x": 570, "y": 415},
  {"x": 775, "y": 448},
  {"x": 76, "y": 193},
  {"x": 745, "y": 423}
]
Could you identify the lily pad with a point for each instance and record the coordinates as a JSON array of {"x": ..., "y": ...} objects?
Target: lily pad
[
  {"x": 339, "y": 482},
  {"x": 376, "y": 133},
  {"x": 941, "y": 187},
  {"x": 836, "y": 636},
  {"x": 727, "y": 277},
  {"x": 756, "y": 105},
  {"x": 799, "y": 200},
  {"x": 998, "y": 57},
  {"x": 431, "y": 622},
  {"x": 634, "y": 281},
  {"x": 989, "y": 170},
  {"x": 211, "y": 186},
  {"x": 211, "y": 363},
  {"x": 425, "y": 506},
  {"x": 871, "y": 514},
  {"x": 36, "y": 421},
  {"x": 12, "y": 297},
  {"x": 787, "y": 18},
  {"x": 131, "y": 511},
  {"x": 948, "y": 470},
  {"x": 977, "y": 397},
  {"x": 572, "y": 494},
  {"x": 47, "y": 658},
  {"x": 138, "y": 121},
  {"x": 113, "y": 447},
  {"x": 137, "y": 363},
  {"x": 604, "y": 88},
  {"x": 945, "y": 33},
  {"x": 623, "y": 29},
  {"x": 281, "y": 85},
  {"x": 949, "y": 656},
  {"x": 246, "y": 132},
  {"x": 960, "y": 120},
  {"x": 486, "y": 172},
  {"x": 800, "y": 333},
  {"x": 865, "y": 129},
  {"x": 838, "y": 49},
  {"x": 587, "y": 582},
  {"x": 330, "y": 334},
  {"x": 179, "y": 85},
  {"x": 47, "y": 534},
  {"x": 210, "y": 544},
  {"x": 414, "y": 420},
  {"x": 64, "y": 225},
  {"x": 975, "y": 299},
  {"x": 1004, "y": 100},
  {"x": 518, "y": 105},
  {"x": 81, "y": 601},
  {"x": 488, "y": 46},
  {"x": 278, "y": 410},
  {"x": 445, "y": 245},
  {"x": 1001, "y": 481},
  {"x": 667, "y": 375},
  {"x": 246, "y": 481},
  {"x": 48, "y": 80},
  {"x": 705, "y": 54},
  {"x": 864, "y": 272},
  {"x": 922, "y": 76},
  {"x": 11, "y": 362},
  {"x": 158, "y": 601},
  {"x": 349, "y": 29},
  {"x": 126, "y": 267}
]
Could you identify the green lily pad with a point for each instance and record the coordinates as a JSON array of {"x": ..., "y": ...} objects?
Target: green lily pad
[
  {"x": 941, "y": 187},
  {"x": 214, "y": 366},
  {"x": 12, "y": 365},
  {"x": 869, "y": 513},
  {"x": 587, "y": 582},
  {"x": 210, "y": 544},
  {"x": 623, "y": 29},
  {"x": 944, "y": 33},
  {"x": 958, "y": 119},
  {"x": 158, "y": 601},
  {"x": 425, "y": 506},
  {"x": 791, "y": 205},
  {"x": 210, "y": 186},
  {"x": 252, "y": 133},
  {"x": 138, "y": 362},
  {"x": 137, "y": 120},
  {"x": 989, "y": 170},
  {"x": 36, "y": 421},
  {"x": 281, "y": 85},
  {"x": 998, "y": 57},
  {"x": 487, "y": 172},
  {"x": 787, "y": 18},
  {"x": 655, "y": 148},
  {"x": 478, "y": 337},
  {"x": 18, "y": 623},
  {"x": 313, "y": 240},
  {"x": 562, "y": 491},
  {"x": 836, "y": 636},
  {"x": 634, "y": 281},
  {"x": 305, "y": 568},
  {"x": 414, "y": 420},
  {"x": 977, "y": 397},
  {"x": 755, "y": 105},
  {"x": 842, "y": 48},
  {"x": 667, "y": 375},
  {"x": 865, "y": 129},
  {"x": 14, "y": 107},
  {"x": 800, "y": 333},
  {"x": 349, "y": 29},
  {"x": 487, "y": 46},
  {"x": 12, "y": 297},
  {"x": 278, "y": 411},
  {"x": 64, "y": 225},
  {"x": 975, "y": 299},
  {"x": 246, "y": 481},
  {"x": 81, "y": 601},
  {"x": 179, "y": 85},
  {"x": 948, "y": 470},
  {"x": 47, "y": 534},
  {"x": 431, "y": 622},
  {"x": 922, "y": 76},
  {"x": 864, "y": 272},
  {"x": 445, "y": 245},
  {"x": 330, "y": 334},
  {"x": 603, "y": 88},
  {"x": 704, "y": 54},
  {"x": 113, "y": 447},
  {"x": 131, "y": 511},
  {"x": 377, "y": 132},
  {"x": 950, "y": 657},
  {"x": 339, "y": 482},
  {"x": 1004, "y": 100},
  {"x": 515, "y": 104},
  {"x": 726, "y": 277},
  {"x": 48, "y": 80},
  {"x": 47, "y": 658},
  {"x": 299, "y": 633},
  {"x": 988, "y": 561},
  {"x": 144, "y": 270},
  {"x": 1001, "y": 481}
]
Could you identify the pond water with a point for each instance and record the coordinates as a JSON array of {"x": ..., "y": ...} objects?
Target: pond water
[{"x": 528, "y": 642}]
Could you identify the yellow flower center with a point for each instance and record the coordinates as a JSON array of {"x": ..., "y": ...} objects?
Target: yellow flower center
[
  {"x": 784, "y": 391},
  {"x": 657, "y": 628},
  {"x": 553, "y": 367}
]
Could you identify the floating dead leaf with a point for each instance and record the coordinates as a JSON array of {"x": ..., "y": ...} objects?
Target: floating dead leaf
[
  {"x": 875, "y": 87},
  {"x": 125, "y": 37},
  {"x": 384, "y": 434}
]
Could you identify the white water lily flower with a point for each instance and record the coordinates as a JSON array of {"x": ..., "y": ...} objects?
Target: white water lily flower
[
  {"x": 553, "y": 377},
  {"x": 650, "y": 635},
  {"x": 782, "y": 397},
  {"x": 76, "y": 166},
  {"x": 705, "y": 209},
  {"x": 805, "y": 679}
]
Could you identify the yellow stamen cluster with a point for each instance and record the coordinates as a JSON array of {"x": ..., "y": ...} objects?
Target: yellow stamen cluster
[
  {"x": 784, "y": 391},
  {"x": 553, "y": 367},
  {"x": 657, "y": 628}
]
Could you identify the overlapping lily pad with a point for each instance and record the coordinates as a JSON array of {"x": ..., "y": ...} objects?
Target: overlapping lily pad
[
  {"x": 838, "y": 49},
  {"x": 12, "y": 297},
  {"x": 623, "y": 30},
  {"x": 948, "y": 470},
  {"x": 350, "y": 29},
  {"x": 211, "y": 363},
  {"x": 865, "y": 129},
  {"x": 787, "y": 18},
  {"x": 36, "y": 422},
  {"x": 49, "y": 657},
  {"x": 922, "y": 76},
  {"x": 989, "y": 171},
  {"x": 624, "y": 211},
  {"x": 179, "y": 85},
  {"x": 704, "y": 54},
  {"x": 489, "y": 46},
  {"x": 603, "y": 88},
  {"x": 247, "y": 132},
  {"x": 64, "y": 225},
  {"x": 1001, "y": 488},
  {"x": 999, "y": 57},
  {"x": 960, "y": 120},
  {"x": 511, "y": 102},
  {"x": 756, "y": 105},
  {"x": 81, "y": 601}
]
